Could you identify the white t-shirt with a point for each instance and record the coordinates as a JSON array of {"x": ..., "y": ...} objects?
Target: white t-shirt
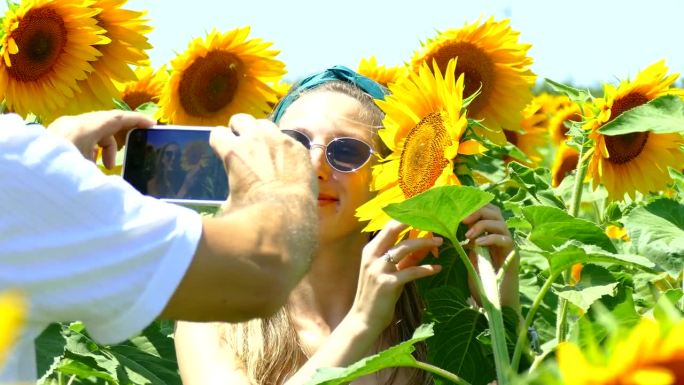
[{"x": 82, "y": 245}]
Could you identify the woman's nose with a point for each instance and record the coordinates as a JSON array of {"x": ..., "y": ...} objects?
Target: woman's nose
[{"x": 319, "y": 162}]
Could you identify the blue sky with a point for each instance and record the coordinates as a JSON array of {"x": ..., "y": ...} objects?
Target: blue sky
[{"x": 585, "y": 41}]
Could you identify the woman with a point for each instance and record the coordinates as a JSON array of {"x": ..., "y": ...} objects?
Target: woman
[{"x": 358, "y": 297}]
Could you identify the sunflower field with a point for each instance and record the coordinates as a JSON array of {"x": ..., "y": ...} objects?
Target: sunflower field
[{"x": 590, "y": 182}]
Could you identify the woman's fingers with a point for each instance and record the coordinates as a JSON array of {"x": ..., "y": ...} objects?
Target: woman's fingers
[
  {"x": 387, "y": 237},
  {"x": 489, "y": 226},
  {"x": 498, "y": 240},
  {"x": 416, "y": 272},
  {"x": 487, "y": 212}
]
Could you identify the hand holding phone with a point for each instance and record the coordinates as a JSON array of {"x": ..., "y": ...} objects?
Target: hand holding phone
[{"x": 175, "y": 163}]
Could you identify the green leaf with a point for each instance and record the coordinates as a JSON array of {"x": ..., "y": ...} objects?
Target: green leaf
[
  {"x": 150, "y": 109},
  {"x": 536, "y": 182},
  {"x": 453, "y": 274},
  {"x": 657, "y": 232},
  {"x": 455, "y": 346},
  {"x": 121, "y": 105},
  {"x": 439, "y": 209},
  {"x": 399, "y": 355},
  {"x": 594, "y": 283},
  {"x": 158, "y": 371},
  {"x": 50, "y": 346},
  {"x": 552, "y": 227},
  {"x": 574, "y": 252},
  {"x": 661, "y": 115},
  {"x": 575, "y": 94},
  {"x": 81, "y": 370}
]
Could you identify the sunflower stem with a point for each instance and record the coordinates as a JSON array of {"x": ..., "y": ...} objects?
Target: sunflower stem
[
  {"x": 441, "y": 372},
  {"x": 522, "y": 336},
  {"x": 492, "y": 308}
]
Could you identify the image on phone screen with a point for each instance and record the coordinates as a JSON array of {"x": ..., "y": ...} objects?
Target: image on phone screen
[{"x": 176, "y": 164}]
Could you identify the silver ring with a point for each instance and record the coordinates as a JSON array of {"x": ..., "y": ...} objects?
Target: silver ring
[{"x": 388, "y": 257}]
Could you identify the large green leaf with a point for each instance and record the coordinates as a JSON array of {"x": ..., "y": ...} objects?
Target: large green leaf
[
  {"x": 156, "y": 370},
  {"x": 50, "y": 346},
  {"x": 536, "y": 182},
  {"x": 552, "y": 227},
  {"x": 453, "y": 274},
  {"x": 661, "y": 115},
  {"x": 574, "y": 252},
  {"x": 456, "y": 347},
  {"x": 657, "y": 232},
  {"x": 594, "y": 283},
  {"x": 439, "y": 209},
  {"x": 399, "y": 355}
]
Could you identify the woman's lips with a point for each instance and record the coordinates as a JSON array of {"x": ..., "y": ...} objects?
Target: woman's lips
[{"x": 324, "y": 199}]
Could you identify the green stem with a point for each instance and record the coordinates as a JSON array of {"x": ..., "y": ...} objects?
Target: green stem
[
  {"x": 441, "y": 372},
  {"x": 494, "y": 317},
  {"x": 562, "y": 317},
  {"x": 522, "y": 336}
]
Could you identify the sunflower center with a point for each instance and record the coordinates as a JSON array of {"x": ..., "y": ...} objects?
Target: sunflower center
[
  {"x": 138, "y": 98},
  {"x": 422, "y": 159},
  {"x": 41, "y": 37},
  {"x": 511, "y": 137},
  {"x": 210, "y": 83},
  {"x": 474, "y": 63},
  {"x": 623, "y": 148}
]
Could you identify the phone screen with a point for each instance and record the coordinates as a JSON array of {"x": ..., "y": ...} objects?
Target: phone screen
[{"x": 175, "y": 163}]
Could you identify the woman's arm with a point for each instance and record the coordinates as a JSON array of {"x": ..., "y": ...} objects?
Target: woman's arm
[
  {"x": 203, "y": 359},
  {"x": 380, "y": 285}
]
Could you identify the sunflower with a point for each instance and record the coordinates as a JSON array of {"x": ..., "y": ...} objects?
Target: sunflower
[
  {"x": 380, "y": 73},
  {"x": 13, "y": 310},
  {"x": 564, "y": 114},
  {"x": 648, "y": 356},
  {"x": 281, "y": 88},
  {"x": 220, "y": 76},
  {"x": 47, "y": 47},
  {"x": 564, "y": 162},
  {"x": 492, "y": 60},
  {"x": 423, "y": 127},
  {"x": 616, "y": 232},
  {"x": 147, "y": 88},
  {"x": 126, "y": 29},
  {"x": 637, "y": 161},
  {"x": 534, "y": 126}
]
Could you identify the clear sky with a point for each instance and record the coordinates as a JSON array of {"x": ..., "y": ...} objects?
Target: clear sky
[{"x": 584, "y": 41}]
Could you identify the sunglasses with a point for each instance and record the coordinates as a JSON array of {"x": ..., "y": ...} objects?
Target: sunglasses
[{"x": 343, "y": 154}]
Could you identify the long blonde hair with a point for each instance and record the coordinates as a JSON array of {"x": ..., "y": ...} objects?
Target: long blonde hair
[{"x": 270, "y": 350}]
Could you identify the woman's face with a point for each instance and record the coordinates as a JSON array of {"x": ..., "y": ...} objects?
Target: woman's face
[
  {"x": 171, "y": 157},
  {"x": 323, "y": 116}
]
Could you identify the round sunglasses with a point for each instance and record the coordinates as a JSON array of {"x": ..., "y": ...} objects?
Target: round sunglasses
[{"x": 343, "y": 154}]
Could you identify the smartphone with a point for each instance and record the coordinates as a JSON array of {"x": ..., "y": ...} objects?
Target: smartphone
[{"x": 176, "y": 164}]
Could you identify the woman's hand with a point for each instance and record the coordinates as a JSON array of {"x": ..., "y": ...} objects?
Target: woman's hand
[
  {"x": 385, "y": 269},
  {"x": 486, "y": 227}
]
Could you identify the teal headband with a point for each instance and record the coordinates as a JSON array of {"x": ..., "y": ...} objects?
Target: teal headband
[{"x": 375, "y": 90}]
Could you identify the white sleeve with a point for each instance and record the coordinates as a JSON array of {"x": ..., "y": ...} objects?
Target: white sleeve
[{"x": 83, "y": 245}]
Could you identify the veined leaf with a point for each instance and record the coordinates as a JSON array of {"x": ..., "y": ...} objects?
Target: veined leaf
[
  {"x": 455, "y": 346},
  {"x": 537, "y": 183},
  {"x": 399, "y": 355},
  {"x": 575, "y": 94},
  {"x": 594, "y": 283},
  {"x": 439, "y": 209},
  {"x": 657, "y": 232},
  {"x": 661, "y": 115},
  {"x": 575, "y": 252},
  {"x": 552, "y": 227}
]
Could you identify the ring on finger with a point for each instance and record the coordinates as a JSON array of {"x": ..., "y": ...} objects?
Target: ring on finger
[{"x": 389, "y": 257}]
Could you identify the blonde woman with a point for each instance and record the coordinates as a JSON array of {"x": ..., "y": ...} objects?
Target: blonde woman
[{"x": 358, "y": 297}]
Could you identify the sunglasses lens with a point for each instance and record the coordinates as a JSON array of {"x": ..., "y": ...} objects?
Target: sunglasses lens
[
  {"x": 347, "y": 154},
  {"x": 298, "y": 136}
]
